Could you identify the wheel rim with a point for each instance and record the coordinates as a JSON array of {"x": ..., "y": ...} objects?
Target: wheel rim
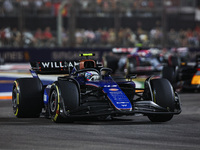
[
  {"x": 14, "y": 99},
  {"x": 53, "y": 101}
]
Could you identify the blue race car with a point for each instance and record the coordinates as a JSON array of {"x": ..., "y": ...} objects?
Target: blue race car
[{"x": 89, "y": 91}]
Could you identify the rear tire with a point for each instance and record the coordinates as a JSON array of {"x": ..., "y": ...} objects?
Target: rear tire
[
  {"x": 169, "y": 74},
  {"x": 163, "y": 95},
  {"x": 64, "y": 96},
  {"x": 111, "y": 62},
  {"x": 27, "y": 97},
  {"x": 174, "y": 61}
]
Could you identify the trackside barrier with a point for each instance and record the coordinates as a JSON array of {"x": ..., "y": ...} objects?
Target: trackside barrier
[
  {"x": 18, "y": 55},
  {"x": 21, "y": 55}
]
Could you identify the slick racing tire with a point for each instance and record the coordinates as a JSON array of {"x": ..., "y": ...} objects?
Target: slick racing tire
[
  {"x": 163, "y": 95},
  {"x": 174, "y": 61},
  {"x": 64, "y": 97},
  {"x": 110, "y": 62},
  {"x": 169, "y": 73},
  {"x": 27, "y": 97}
]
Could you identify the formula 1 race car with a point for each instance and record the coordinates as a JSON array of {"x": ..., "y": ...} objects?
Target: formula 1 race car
[
  {"x": 89, "y": 91},
  {"x": 185, "y": 76},
  {"x": 144, "y": 61},
  {"x": 140, "y": 61}
]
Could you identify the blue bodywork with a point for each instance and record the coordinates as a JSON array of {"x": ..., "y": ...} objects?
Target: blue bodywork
[{"x": 116, "y": 96}]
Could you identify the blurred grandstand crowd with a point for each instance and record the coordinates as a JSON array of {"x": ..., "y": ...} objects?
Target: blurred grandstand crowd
[{"x": 102, "y": 37}]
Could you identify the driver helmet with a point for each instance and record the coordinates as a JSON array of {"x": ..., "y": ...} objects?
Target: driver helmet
[{"x": 91, "y": 76}]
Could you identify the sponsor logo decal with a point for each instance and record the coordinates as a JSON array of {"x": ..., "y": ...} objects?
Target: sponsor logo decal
[
  {"x": 61, "y": 64},
  {"x": 113, "y": 89},
  {"x": 110, "y": 85},
  {"x": 45, "y": 98}
]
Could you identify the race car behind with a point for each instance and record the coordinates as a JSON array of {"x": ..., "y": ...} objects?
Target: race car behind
[{"x": 184, "y": 76}]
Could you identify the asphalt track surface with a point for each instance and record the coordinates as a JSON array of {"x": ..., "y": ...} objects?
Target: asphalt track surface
[{"x": 125, "y": 133}]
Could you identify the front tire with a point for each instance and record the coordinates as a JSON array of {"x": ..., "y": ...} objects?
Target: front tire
[
  {"x": 64, "y": 97},
  {"x": 163, "y": 95},
  {"x": 169, "y": 74},
  {"x": 27, "y": 96},
  {"x": 160, "y": 118}
]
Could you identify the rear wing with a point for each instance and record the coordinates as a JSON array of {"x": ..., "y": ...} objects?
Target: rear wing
[{"x": 53, "y": 67}]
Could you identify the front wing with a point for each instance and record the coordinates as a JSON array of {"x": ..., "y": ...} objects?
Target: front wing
[{"x": 101, "y": 109}]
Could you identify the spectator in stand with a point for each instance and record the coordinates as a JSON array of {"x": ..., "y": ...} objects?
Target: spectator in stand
[
  {"x": 197, "y": 28},
  {"x": 49, "y": 40},
  {"x": 182, "y": 38},
  {"x": 173, "y": 37},
  {"x": 112, "y": 37},
  {"x": 144, "y": 3},
  {"x": 104, "y": 37},
  {"x": 28, "y": 38},
  {"x": 189, "y": 35},
  {"x": 39, "y": 37},
  {"x": 120, "y": 36},
  {"x": 98, "y": 37},
  {"x": 48, "y": 8},
  {"x": 38, "y": 4},
  {"x": 133, "y": 39},
  {"x": 106, "y": 6},
  {"x": 6, "y": 36},
  {"x": 79, "y": 37},
  {"x": 16, "y": 37},
  {"x": 89, "y": 36},
  {"x": 192, "y": 37},
  {"x": 151, "y": 4},
  {"x": 156, "y": 36},
  {"x": 128, "y": 37},
  {"x": 26, "y": 7},
  {"x": 8, "y": 7},
  {"x": 38, "y": 34}
]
